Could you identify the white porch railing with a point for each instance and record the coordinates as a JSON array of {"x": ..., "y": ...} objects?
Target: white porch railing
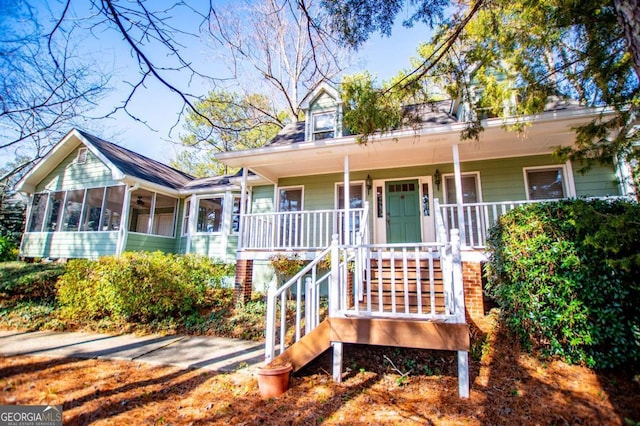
[
  {"x": 478, "y": 218},
  {"x": 387, "y": 281},
  {"x": 414, "y": 281},
  {"x": 301, "y": 230}
]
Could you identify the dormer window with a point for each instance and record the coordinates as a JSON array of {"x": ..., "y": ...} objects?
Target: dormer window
[{"x": 324, "y": 125}]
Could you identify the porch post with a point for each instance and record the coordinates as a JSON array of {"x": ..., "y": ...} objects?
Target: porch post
[
  {"x": 459, "y": 198},
  {"x": 336, "y": 369},
  {"x": 243, "y": 206},
  {"x": 347, "y": 198}
]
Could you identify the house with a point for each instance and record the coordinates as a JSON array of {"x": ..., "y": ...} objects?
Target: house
[{"x": 403, "y": 219}]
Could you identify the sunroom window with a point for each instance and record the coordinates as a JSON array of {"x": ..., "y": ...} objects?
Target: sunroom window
[
  {"x": 72, "y": 210},
  {"x": 111, "y": 215},
  {"x": 77, "y": 210},
  {"x": 152, "y": 213},
  {"x": 323, "y": 125},
  {"x": 38, "y": 209},
  {"x": 545, "y": 183},
  {"x": 164, "y": 215},
  {"x": 210, "y": 214},
  {"x": 55, "y": 209},
  {"x": 93, "y": 209}
]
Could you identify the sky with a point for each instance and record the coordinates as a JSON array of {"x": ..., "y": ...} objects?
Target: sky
[{"x": 159, "y": 108}]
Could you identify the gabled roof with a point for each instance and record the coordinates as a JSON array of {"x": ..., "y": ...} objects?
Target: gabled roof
[
  {"x": 323, "y": 87},
  {"x": 136, "y": 165}
]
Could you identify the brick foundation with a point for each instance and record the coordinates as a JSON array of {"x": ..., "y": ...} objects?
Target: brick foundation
[
  {"x": 473, "y": 295},
  {"x": 244, "y": 280}
]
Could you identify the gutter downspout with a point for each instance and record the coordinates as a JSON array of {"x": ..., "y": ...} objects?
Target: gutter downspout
[{"x": 123, "y": 232}]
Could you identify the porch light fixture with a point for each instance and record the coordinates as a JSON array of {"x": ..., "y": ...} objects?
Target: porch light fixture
[
  {"x": 437, "y": 179},
  {"x": 369, "y": 184}
]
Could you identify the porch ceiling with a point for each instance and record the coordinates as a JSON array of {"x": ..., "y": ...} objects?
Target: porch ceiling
[{"x": 408, "y": 148}]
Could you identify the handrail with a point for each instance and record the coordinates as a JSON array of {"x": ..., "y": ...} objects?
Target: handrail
[{"x": 274, "y": 293}]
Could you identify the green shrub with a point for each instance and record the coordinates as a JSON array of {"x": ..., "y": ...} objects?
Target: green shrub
[
  {"x": 142, "y": 287},
  {"x": 8, "y": 249},
  {"x": 567, "y": 278}
]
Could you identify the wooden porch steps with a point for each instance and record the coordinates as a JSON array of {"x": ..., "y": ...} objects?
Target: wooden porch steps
[
  {"x": 388, "y": 286},
  {"x": 406, "y": 333}
]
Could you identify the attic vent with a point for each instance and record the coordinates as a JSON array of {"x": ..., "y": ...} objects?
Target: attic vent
[{"x": 82, "y": 156}]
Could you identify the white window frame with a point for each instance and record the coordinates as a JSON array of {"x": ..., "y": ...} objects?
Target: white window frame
[
  {"x": 235, "y": 197},
  {"x": 568, "y": 186},
  {"x": 152, "y": 221},
  {"x": 152, "y": 213},
  {"x": 185, "y": 217},
  {"x": 286, "y": 188},
  {"x": 82, "y": 156},
  {"x": 336, "y": 201},
  {"x": 318, "y": 113},
  {"x": 448, "y": 175},
  {"x": 222, "y": 219},
  {"x": 45, "y": 213}
]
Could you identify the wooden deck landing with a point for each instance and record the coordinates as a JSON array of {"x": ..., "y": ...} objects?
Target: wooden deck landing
[{"x": 376, "y": 331}]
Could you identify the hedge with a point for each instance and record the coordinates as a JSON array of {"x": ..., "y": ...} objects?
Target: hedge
[
  {"x": 138, "y": 286},
  {"x": 566, "y": 276}
]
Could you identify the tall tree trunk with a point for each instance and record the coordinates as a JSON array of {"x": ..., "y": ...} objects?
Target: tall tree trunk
[{"x": 628, "y": 12}]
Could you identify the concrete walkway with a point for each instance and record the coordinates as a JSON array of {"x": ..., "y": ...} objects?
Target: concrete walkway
[{"x": 213, "y": 353}]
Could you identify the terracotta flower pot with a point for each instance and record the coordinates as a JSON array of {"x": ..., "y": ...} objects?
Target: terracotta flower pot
[{"x": 273, "y": 380}]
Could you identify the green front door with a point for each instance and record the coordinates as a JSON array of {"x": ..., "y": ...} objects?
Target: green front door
[{"x": 403, "y": 211}]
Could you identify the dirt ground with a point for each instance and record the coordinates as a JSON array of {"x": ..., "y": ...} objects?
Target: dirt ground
[{"x": 382, "y": 386}]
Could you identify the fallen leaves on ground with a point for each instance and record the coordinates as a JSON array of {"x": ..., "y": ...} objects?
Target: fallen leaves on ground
[{"x": 381, "y": 386}]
